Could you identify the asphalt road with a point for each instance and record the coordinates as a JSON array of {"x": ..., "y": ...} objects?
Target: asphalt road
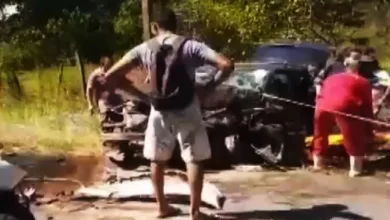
[{"x": 297, "y": 195}]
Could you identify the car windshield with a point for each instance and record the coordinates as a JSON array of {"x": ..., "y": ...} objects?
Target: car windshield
[{"x": 297, "y": 55}]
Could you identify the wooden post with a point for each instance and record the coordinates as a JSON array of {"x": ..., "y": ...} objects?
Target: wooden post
[
  {"x": 14, "y": 85},
  {"x": 80, "y": 65},
  {"x": 146, "y": 18},
  {"x": 60, "y": 78}
]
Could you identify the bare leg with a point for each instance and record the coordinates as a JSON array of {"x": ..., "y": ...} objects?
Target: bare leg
[
  {"x": 195, "y": 179},
  {"x": 157, "y": 169}
]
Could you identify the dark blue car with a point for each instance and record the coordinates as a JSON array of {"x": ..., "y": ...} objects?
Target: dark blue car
[{"x": 293, "y": 53}]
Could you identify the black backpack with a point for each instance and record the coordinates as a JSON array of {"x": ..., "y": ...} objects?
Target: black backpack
[{"x": 172, "y": 87}]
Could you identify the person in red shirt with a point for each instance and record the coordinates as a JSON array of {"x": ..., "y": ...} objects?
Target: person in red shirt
[{"x": 350, "y": 93}]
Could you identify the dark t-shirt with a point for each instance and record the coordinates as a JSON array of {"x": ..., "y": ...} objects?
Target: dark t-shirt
[
  {"x": 332, "y": 67},
  {"x": 368, "y": 68}
]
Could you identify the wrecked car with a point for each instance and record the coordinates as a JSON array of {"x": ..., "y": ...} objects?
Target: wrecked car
[
  {"x": 244, "y": 124},
  {"x": 259, "y": 124}
]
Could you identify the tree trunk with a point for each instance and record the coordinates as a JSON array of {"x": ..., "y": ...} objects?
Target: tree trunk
[
  {"x": 80, "y": 65},
  {"x": 146, "y": 18}
]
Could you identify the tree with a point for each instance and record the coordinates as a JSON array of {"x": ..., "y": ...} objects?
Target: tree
[
  {"x": 62, "y": 26},
  {"x": 239, "y": 23},
  {"x": 128, "y": 24},
  {"x": 377, "y": 22}
]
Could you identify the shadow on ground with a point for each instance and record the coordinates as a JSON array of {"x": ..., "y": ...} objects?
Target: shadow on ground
[{"x": 321, "y": 212}]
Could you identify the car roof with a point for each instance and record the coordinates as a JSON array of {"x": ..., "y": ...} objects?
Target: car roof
[
  {"x": 309, "y": 45},
  {"x": 296, "y": 53}
]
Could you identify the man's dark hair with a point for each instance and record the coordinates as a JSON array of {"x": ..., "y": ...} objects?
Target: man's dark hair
[
  {"x": 332, "y": 51},
  {"x": 342, "y": 53},
  {"x": 354, "y": 50},
  {"x": 369, "y": 50},
  {"x": 104, "y": 60},
  {"x": 166, "y": 19}
]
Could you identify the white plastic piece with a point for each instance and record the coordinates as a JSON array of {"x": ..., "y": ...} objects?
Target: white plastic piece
[{"x": 10, "y": 175}]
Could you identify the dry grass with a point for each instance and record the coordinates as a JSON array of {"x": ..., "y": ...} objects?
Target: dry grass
[{"x": 48, "y": 119}]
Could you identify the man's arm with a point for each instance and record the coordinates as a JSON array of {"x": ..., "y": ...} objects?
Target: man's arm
[
  {"x": 205, "y": 55},
  {"x": 91, "y": 100},
  {"x": 367, "y": 107},
  {"x": 130, "y": 58},
  {"x": 91, "y": 91}
]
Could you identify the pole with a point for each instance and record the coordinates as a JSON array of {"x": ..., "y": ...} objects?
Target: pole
[
  {"x": 146, "y": 14},
  {"x": 80, "y": 64}
]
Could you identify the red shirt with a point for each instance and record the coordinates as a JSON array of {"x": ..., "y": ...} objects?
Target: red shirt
[{"x": 346, "y": 92}]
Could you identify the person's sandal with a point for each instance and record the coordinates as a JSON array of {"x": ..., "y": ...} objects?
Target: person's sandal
[
  {"x": 353, "y": 174},
  {"x": 320, "y": 170},
  {"x": 203, "y": 216},
  {"x": 171, "y": 213}
]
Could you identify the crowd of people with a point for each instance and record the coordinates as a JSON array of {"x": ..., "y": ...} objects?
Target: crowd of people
[{"x": 171, "y": 60}]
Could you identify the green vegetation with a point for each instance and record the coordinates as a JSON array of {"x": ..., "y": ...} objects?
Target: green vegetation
[
  {"x": 41, "y": 109},
  {"x": 49, "y": 117}
]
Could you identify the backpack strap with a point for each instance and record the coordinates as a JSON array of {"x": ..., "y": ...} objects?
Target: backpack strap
[
  {"x": 176, "y": 49},
  {"x": 178, "y": 43},
  {"x": 154, "y": 45}
]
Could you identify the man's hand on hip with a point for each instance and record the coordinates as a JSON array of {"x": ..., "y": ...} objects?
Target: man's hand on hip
[{"x": 91, "y": 109}]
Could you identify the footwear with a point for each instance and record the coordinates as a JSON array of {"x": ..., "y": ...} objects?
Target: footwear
[
  {"x": 319, "y": 163},
  {"x": 353, "y": 174},
  {"x": 172, "y": 212},
  {"x": 203, "y": 216},
  {"x": 356, "y": 166}
]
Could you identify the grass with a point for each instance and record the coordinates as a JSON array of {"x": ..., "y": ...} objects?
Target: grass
[{"x": 48, "y": 118}]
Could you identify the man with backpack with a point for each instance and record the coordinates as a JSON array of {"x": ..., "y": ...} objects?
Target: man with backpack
[{"x": 171, "y": 61}]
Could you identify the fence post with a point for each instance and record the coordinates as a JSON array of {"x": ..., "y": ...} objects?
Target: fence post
[
  {"x": 60, "y": 78},
  {"x": 80, "y": 65},
  {"x": 14, "y": 85}
]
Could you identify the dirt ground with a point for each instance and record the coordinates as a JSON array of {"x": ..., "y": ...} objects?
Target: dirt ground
[{"x": 291, "y": 195}]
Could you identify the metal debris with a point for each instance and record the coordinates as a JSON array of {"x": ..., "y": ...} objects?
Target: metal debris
[{"x": 140, "y": 186}]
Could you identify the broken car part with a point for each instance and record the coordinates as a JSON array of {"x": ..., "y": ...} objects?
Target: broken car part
[{"x": 140, "y": 187}]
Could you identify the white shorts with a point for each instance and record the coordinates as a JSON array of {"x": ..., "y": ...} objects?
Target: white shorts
[{"x": 186, "y": 126}]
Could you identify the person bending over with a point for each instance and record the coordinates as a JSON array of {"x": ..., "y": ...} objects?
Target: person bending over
[
  {"x": 350, "y": 93},
  {"x": 98, "y": 95}
]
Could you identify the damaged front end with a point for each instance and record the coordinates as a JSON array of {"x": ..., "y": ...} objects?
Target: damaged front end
[
  {"x": 253, "y": 128},
  {"x": 14, "y": 202}
]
